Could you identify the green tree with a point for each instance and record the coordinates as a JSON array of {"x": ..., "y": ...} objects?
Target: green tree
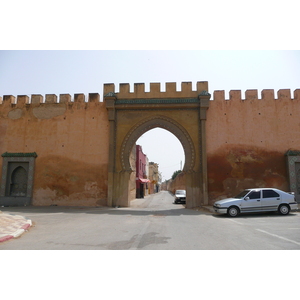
[{"x": 175, "y": 174}]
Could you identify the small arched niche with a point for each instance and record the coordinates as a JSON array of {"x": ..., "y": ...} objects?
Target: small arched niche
[{"x": 17, "y": 179}]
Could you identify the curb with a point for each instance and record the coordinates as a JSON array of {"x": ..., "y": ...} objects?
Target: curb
[
  {"x": 209, "y": 208},
  {"x": 17, "y": 233}
]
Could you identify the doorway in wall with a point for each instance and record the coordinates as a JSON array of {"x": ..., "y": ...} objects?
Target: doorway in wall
[{"x": 17, "y": 179}]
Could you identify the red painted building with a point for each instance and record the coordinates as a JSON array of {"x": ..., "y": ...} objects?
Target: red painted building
[{"x": 141, "y": 176}]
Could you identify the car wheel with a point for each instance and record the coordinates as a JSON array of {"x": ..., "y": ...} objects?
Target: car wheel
[
  {"x": 233, "y": 211},
  {"x": 284, "y": 209}
]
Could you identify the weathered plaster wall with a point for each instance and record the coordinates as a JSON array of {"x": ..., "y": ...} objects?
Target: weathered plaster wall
[
  {"x": 247, "y": 140},
  {"x": 71, "y": 141},
  {"x": 178, "y": 183}
]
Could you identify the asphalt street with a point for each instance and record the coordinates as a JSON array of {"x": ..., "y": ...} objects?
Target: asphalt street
[{"x": 152, "y": 223}]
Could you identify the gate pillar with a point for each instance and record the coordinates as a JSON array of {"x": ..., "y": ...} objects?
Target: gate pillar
[
  {"x": 204, "y": 98},
  {"x": 110, "y": 105}
]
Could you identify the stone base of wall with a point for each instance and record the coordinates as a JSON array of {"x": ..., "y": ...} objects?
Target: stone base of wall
[{"x": 15, "y": 201}]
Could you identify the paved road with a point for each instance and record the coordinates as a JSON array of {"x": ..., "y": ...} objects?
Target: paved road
[{"x": 152, "y": 223}]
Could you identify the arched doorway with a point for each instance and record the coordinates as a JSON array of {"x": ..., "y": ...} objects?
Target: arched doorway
[
  {"x": 18, "y": 185},
  {"x": 132, "y": 114}
]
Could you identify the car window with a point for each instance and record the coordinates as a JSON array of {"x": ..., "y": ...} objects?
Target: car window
[
  {"x": 254, "y": 195},
  {"x": 242, "y": 194},
  {"x": 180, "y": 192},
  {"x": 270, "y": 194}
]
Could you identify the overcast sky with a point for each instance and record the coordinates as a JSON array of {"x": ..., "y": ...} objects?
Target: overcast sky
[{"x": 57, "y": 72}]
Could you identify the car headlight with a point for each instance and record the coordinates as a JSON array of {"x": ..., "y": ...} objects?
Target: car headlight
[{"x": 218, "y": 205}]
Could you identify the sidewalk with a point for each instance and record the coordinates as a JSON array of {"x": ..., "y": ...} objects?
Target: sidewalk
[{"x": 12, "y": 226}]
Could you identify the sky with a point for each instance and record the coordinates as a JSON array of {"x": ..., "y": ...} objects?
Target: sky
[{"x": 26, "y": 72}]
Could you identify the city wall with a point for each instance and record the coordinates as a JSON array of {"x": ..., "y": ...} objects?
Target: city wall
[
  {"x": 71, "y": 142},
  {"x": 247, "y": 138},
  {"x": 179, "y": 183}
]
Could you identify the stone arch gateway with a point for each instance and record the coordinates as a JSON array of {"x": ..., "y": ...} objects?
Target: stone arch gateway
[{"x": 182, "y": 113}]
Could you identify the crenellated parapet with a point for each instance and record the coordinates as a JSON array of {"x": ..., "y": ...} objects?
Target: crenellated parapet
[
  {"x": 51, "y": 106},
  {"x": 155, "y": 91},
  {"x": 37, "y": 99},
  {"x": 252, "y": 95}
]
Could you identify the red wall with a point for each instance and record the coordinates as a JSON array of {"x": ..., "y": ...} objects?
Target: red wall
[{"x": 140, "y": 170}]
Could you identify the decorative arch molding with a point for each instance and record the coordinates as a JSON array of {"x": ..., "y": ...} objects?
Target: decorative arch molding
[{"x": 158, "y": 122}]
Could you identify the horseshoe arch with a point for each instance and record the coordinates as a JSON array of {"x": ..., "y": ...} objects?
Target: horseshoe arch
[{"x": 158, "y": 122}]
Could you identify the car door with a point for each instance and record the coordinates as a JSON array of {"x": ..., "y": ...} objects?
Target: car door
[
  {"x": 270, "y": 200},
  {"x": 252, "y": 202}
]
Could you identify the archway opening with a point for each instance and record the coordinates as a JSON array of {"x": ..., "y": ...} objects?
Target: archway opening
[{"x": 158, "y": 159}]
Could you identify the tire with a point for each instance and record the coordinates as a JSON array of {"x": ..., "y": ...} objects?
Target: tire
[
  {"x": 233, "y": 211},
  {"x": 284, "y": 209}
]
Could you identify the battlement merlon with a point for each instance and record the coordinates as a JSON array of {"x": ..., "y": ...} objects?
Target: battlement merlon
[
  {"x": 37, "y": 99},
  {"x": 252, "y": 95},
  {"x": 155, "y": 90}
]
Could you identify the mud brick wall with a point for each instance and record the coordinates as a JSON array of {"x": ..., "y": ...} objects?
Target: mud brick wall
[
  {"x": 70, "y": 137},
  {"x": 247, "y": 138}
]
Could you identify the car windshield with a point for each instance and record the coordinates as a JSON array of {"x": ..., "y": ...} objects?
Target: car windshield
[
  {"x": 180, "y": 192},
  {"x": 242, "y": 194}
]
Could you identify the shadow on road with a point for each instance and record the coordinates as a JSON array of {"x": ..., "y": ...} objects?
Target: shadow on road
[
  {"x": 176, "y": 211},
  {"x": 254, "y": 215}
]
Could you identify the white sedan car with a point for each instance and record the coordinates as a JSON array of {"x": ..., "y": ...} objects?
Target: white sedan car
[
  {"x": 180, "y": 196},
  {"x": 257, "y": 200}
]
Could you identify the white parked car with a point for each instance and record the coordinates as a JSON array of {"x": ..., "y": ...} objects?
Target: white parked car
[
  {"x": 180, "y": 196},
  {"x": 257, "y": 200}
]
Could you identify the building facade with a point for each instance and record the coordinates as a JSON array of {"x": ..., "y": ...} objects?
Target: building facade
[
  {"x": 154, "y": 178},
  {"x": 141, "y": 175}
]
